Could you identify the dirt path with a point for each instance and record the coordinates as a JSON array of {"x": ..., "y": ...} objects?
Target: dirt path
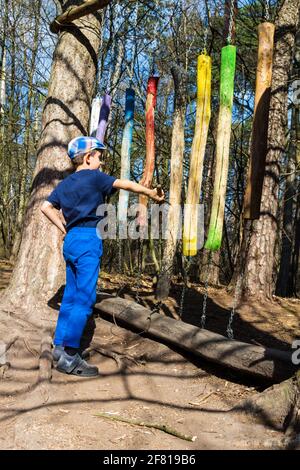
[{"x": 168, "y": 388}]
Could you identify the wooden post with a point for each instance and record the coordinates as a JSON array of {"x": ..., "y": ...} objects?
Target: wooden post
[
  {"x": 125, "y": 157},
  {"x": 76, "y": 12},
  {"x": 3, "y": 83},
  {"x": 203, "y": 113},
  {"x": 174, "y": 208},
  {"x": 260, "y": 121},
  {"x": 103, "y": 119},
  {"x": 150, "y": 147},
  {"x": 214, "y": 238},
  {"x": 95, "y": 115}
]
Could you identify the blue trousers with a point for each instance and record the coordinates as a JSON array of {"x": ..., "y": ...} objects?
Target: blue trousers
[{"x": 82, "y": 251}]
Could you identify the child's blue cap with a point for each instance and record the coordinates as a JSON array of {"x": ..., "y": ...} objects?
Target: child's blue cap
[{"x": 84, "y": 144}]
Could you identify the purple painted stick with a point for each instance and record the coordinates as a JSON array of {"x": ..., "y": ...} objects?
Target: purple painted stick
[{"x": 104, "y": 113}]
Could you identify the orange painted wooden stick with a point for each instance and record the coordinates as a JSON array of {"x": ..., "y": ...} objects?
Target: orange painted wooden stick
[{"x": 150, "y": 147}]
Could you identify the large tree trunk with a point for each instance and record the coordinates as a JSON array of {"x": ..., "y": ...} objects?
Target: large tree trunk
[
  {"x": 177, "y": 151},
  {"x": 296, "y": 148},
  {"x": 259, "y": 281},
  {"x": 39, "y": 273},
  {"x": 285, "y": 276},
  {"x": 296, "y": 252}
]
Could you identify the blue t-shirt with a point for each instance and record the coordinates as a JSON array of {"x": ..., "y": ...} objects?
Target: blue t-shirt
[{"x": 79, "y": 196}]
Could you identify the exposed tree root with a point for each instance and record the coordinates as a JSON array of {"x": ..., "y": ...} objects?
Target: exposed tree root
[
  {"x": 3, "y": 369},
  {"x": 45, "y": 364},
  {"x": 9, "y": 344},
  {"x": 30, "y": 349},
  {"x": 277, "y": 407},
  {"x": 117, "y": 357}
]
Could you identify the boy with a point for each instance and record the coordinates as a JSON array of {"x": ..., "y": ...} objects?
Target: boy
[{"x": 78, "y": 196}]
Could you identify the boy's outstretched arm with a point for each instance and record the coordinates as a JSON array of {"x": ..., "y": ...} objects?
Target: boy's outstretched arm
[
  {"x": 53, "y": 215},
  {"x": 139, "y": 188}
]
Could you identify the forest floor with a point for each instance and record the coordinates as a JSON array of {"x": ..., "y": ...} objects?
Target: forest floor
[{"x": 167, "y": 386}]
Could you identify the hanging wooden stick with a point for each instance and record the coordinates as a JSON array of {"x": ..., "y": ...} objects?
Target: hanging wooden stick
[
  {"x": 228, "y": 57},
  {"x": 258, "y": 149},
  {"x": 172, "y": 231},
  {"x": 197, "y": 155},
  {"x": 125, "y": 155},
  {"x": 95, "y": 115},
  {"x": 3, "y": 83},
  {"x": 103, "y": 120},
  {"x": 150, "y": 147}
]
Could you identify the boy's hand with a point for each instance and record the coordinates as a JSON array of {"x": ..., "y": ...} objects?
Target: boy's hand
[
  {"x": 157, "y": 194},
  {"x": 53, "y": 215}
]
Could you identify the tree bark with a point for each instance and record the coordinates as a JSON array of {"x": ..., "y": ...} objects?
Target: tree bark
[
  {"x": 296, "y": 148},
  {"x": 39, "y": 273},
  {"x": 259, "y": 279},
  {"x": 296, "y": 251},
  {"x": 204, "y": 265},
  {"x": 177, "y": 152},
  {"x": 285, "y": 276}
]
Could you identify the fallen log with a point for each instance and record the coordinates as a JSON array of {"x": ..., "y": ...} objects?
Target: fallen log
[{"x": 245, "y": 358}]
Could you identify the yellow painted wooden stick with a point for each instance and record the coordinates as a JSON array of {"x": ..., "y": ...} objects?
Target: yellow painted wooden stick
[{"x": 203, "y": 113}]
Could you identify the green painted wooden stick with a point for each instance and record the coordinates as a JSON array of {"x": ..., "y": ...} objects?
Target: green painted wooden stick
[{"x": 228, "y": 58}]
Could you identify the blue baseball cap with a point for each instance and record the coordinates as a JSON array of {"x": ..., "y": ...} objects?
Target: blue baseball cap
[{"x": 84, "y": 144}]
